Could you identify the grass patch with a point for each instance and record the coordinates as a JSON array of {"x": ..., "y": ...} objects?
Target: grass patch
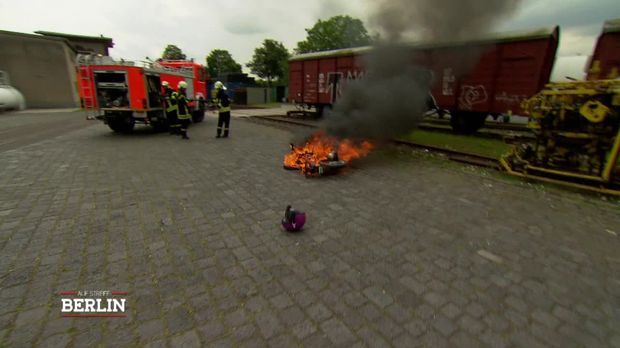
[{"x": 471, "y": 144}]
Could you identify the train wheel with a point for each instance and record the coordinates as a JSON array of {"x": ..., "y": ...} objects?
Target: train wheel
[
  {"x": 320, "y": 109},
  {"x": 467, "y": 122}
]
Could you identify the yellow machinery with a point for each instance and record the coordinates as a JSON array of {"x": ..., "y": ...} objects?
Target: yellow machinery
[{"x": 577, "y": 136}]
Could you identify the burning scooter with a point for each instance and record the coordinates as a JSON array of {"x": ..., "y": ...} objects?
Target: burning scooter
[{"x": 322, "y": 155}]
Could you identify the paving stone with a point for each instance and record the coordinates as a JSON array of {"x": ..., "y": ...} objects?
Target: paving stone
[
  {"x": 60, "y": 340},
  {"x": 268, "y": 324},
  {"x": 211, "y": 330},
  {"x": 475, "y": 310},
  {"x": 372, "y": 338},
  {"x": 243, "y": 332},
  {"x": 292, "y": 316},
  {"x": 337, "y": 332},
  {"x": 545, "y": 318},
  {"x": 379, "y": 296},
  {"x": 206, "y": 263},
  {"x": 566, "y": 315},
  {"x": 444, "y": 325},
  {"x": 179, "y": 320},
  {"x": 615, "y": 341},
  {"x": 281, "y": 301},
  {"x": 413, "y": 284},
  {"x": 388, "y": 328},
  {"x": 435, "y": 299},
  {"x": 304, "y": 329},
  {"x": 522, "y": 339},
  {"x": 30, "y": 316},
  {"x": 580, "y": 336},
  {"x": 187, "y": 339},
  {"x": 319, "y": 312},
  {"x": 398, "y": 313},
  {"x": 451, "y": 311},
  {"x": 317, "y": 340},
  {"x": 151, "y": 330}
]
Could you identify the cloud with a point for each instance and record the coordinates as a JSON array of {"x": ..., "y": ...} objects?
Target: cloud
[{"x": 244, "y": 27}]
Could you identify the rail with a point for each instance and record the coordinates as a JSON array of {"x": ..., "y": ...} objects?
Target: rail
[
  {"x": 466, "y": 158},
  {"x": 453, "y": 155}
]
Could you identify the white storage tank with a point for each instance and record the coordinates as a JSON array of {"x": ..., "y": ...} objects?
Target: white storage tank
[{"x": 10, "y": 98}]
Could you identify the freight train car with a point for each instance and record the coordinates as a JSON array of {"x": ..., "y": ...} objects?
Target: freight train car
[
  {"x": 605, "y": 62},
  {"x": 503, "y": 71}
]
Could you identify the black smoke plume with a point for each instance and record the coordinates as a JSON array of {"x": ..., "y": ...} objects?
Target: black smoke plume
[{"x": 392, "y": 97}]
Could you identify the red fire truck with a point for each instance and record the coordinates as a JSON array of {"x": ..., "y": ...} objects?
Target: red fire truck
[
  {"x": 123, "y": 93},
  {"x": 198, "y": 71}
]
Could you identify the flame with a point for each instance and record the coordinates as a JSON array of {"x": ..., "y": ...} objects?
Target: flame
[{"x": 319, "y": 147}]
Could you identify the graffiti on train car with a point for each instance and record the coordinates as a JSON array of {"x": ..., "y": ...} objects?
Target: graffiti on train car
[{"x": 472, "y": 95}]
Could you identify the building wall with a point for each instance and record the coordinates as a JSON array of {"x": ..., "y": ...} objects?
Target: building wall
[
  {"x": 259, "y": 95},
  {"x": 43, "y": 70},
  {"x": 94, "y": 47}
]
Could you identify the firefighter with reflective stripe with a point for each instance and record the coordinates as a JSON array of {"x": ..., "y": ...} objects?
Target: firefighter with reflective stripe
[
  {"x": 183, "y": 107},
  {"x": 170, "y": 106},
  {"x": 223, "y": 105}
]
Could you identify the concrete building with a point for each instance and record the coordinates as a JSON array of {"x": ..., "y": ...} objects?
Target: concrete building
[
  {"x": 43, "y": 67},
  {"x": 84, "y": 44}
]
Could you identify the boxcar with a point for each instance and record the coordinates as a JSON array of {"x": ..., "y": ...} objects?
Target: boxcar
[
  {"x": 507, "y": 69},
  {"x": 605, "y": 62}
]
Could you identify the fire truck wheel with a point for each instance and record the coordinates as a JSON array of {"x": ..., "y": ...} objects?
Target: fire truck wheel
[
  {"x": 198, "y": 116},
  {"x": 159, "y": 126},
  {"x": 121, "y": 124}
]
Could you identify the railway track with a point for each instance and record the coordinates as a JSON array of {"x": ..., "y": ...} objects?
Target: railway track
[
  {"x": 498, "y": 131},
  {"x": 487, "y": 125},
  {"x": 490, "y": 130},
  {"x": 453, "y": 155}
]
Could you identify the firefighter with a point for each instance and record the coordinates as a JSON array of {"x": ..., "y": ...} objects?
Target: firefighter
[
  {"x": 170, "y": 105},
  {"x": 183, "y": 107},
  {"x": 223, "y": 105}
]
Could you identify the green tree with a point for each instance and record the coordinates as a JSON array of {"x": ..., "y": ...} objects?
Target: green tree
[
  {"x": 334, "y": 33},
  {"x": 270, "y": 61},
  {"x": 220, "y": 61},
  {"x": 173, "y": 52}
]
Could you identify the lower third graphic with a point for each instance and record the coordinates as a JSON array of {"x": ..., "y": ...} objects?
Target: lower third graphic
[{"x": 94, "y": 303}]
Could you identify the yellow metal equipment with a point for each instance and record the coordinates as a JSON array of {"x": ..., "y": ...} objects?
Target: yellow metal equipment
[{"x": 577, "y": 143}]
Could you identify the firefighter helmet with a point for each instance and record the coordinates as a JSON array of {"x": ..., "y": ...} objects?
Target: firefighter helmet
[
  {"x": 293, "y": 221},
  {"x": 219, "y": 85},
  {"x": 165, "y": 83},
  {"x": 182, "y": 84}
]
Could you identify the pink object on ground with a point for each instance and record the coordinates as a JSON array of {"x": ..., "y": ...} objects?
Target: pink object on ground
[{"x": 293, "y": 221}]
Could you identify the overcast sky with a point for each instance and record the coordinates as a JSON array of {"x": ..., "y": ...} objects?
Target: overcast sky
[{"x": 142, "y": 28}]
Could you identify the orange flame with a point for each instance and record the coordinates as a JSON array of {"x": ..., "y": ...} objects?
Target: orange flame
[{"x": 319, "y": 147}]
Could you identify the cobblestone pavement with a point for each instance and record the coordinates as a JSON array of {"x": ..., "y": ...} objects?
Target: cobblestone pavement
[
  {"x": 21, "y": 128},
  {"x": 401, "y": 250}
]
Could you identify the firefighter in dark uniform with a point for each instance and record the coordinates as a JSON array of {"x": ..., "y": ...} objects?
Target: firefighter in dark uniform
[
  {"x": 170, "y": 106},
  {"x": 223, "y": 105},
  {"x": 183, "y": 107}
]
